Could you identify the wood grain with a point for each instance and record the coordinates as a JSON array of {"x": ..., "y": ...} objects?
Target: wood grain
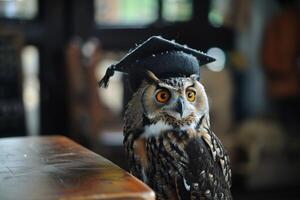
[{"x": 58, "y": 168}]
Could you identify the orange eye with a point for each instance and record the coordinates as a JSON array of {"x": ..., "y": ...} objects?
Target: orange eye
[
  {"x": 162, "y": 96},
  {"x": 191, "y": 95}
]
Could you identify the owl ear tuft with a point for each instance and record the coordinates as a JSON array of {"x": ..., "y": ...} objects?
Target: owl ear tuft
[
  {"x": 151, "y": 77},
  {"x": 195, "y": 77}
]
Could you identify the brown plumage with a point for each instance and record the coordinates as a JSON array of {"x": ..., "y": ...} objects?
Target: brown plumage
[{"x": 169, "y": 143}]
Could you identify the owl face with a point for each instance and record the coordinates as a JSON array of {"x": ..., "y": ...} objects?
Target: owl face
[{"x": 178, "y": 98}]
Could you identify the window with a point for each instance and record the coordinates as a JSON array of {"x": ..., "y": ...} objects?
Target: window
[
  {"x": 177, "y": 10},
  {"x": 18, "y": 9},
  {"x": 218, "y": 12},
  {"x": 125, "y": 12},
  {"x": 141, "y": 12},
  {"x": 31, "y": 88}
]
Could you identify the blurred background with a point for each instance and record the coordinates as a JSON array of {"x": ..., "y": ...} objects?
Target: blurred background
[{"x": 53, "y": 52}]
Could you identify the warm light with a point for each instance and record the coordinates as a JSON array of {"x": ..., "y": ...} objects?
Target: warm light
[{"x": 220, "y": 57}]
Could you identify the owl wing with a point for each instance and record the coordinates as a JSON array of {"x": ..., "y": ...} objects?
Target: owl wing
[
  {"x": 219, "y": 154},
  {"x": 132, "y": 147},
  {"x": 133, "y": 128},
  {"x": 207, "y": 169}
]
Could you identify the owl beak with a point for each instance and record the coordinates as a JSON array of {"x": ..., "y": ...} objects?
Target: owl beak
[{"x": 179, "y": 106}]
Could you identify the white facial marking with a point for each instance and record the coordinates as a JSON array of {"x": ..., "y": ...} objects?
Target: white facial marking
[{"x": 155, "y": 129}]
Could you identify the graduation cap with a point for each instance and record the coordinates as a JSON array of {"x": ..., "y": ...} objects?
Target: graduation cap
[{"x": 162, "y": 57}]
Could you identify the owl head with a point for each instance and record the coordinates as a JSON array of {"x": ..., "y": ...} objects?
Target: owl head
[
  {"x": 177, "y": 95},
  {"x": 179, "y": 98}
]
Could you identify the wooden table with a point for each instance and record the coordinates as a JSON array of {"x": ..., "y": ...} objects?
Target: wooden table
[{"x": 58, "y": 168}]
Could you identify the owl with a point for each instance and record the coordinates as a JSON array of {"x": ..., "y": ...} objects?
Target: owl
[
  {"x": 169, "y": 143},
  {"x": 167, "y": 135}
]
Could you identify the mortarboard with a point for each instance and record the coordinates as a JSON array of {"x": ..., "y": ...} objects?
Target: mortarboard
[{"x": 162, "y": 57}]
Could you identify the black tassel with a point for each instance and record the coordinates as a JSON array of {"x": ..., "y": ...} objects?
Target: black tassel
[{"x": 109, "y": 73}]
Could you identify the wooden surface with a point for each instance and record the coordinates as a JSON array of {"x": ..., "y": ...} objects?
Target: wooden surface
[{"x": 57, "y": 168}]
